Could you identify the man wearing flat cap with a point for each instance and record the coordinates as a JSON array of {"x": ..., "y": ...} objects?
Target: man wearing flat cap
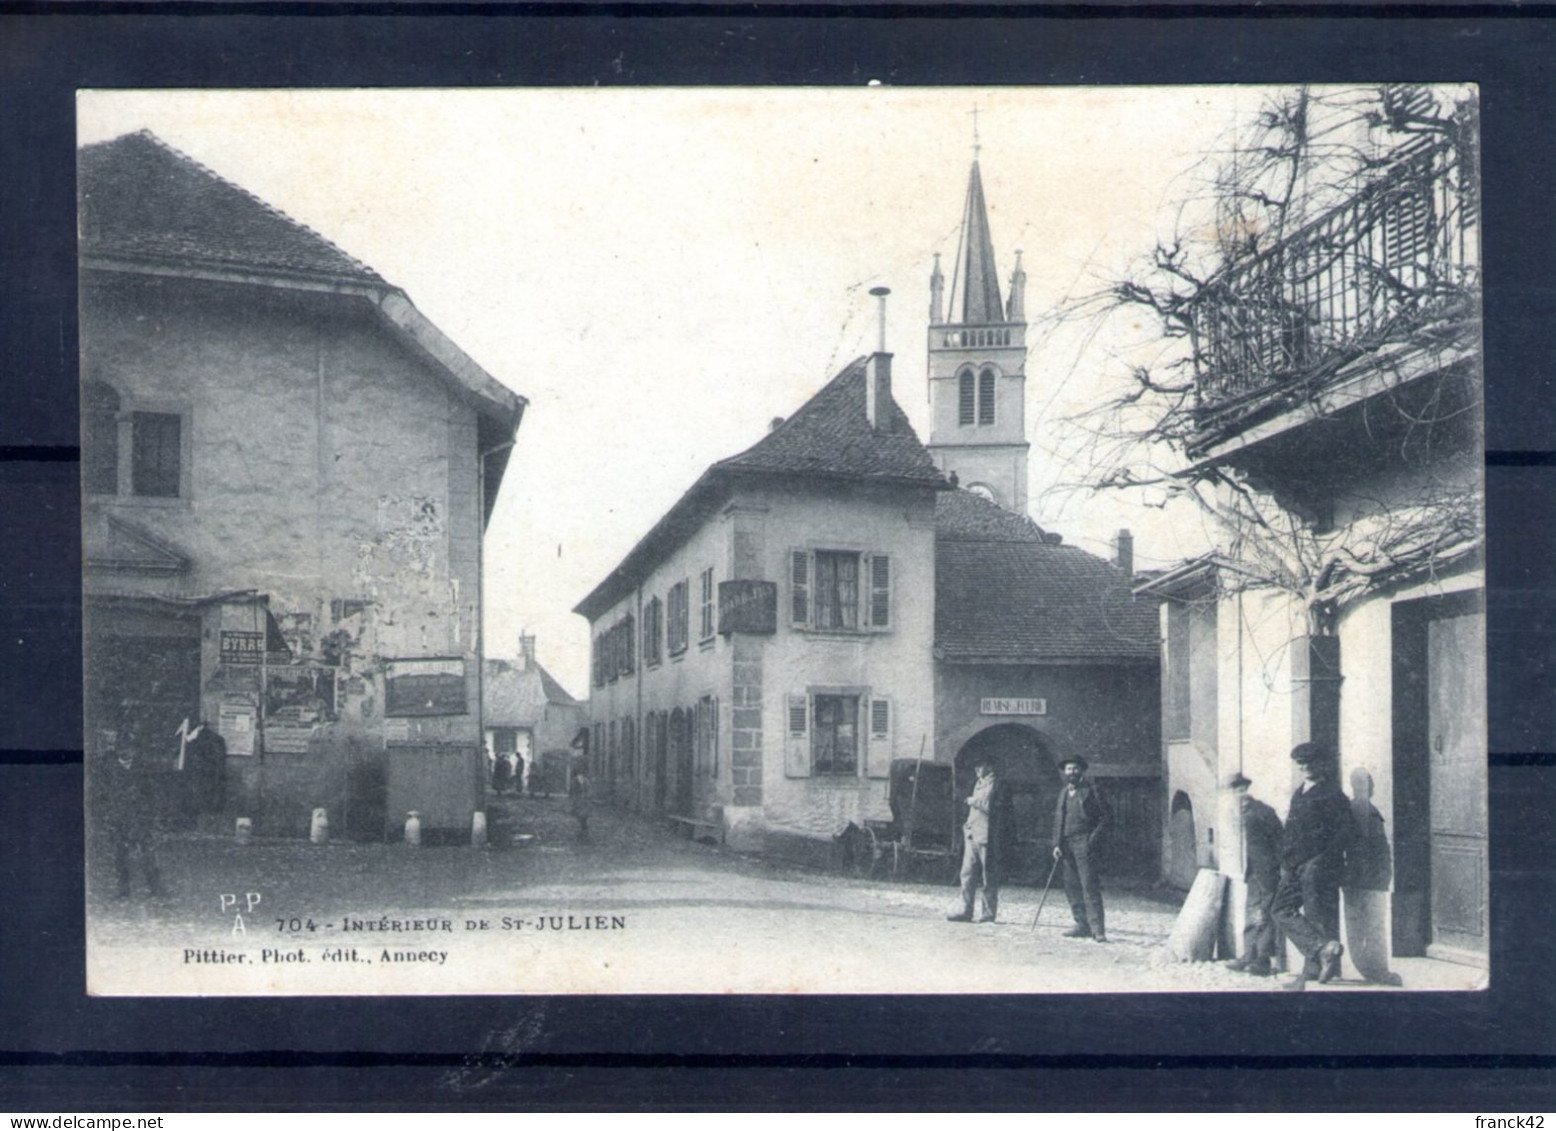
[
  {"x": 1080, "y": 818},
  {"x": 1319, "y": 828},
  {"x": 1261, "y": 874}
]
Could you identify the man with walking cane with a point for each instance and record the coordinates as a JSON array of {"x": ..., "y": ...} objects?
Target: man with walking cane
[{"x": 1080, "y": 816}]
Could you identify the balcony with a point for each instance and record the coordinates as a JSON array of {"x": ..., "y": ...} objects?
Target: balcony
[{"x": 1395, "y": 265}]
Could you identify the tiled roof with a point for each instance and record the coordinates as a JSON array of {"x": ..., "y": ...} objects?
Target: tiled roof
[
  {"x": 829, "y": 435},
  {"x": 1010, "y": 597},
  {"x": 517, "y": 697},
  {"x": 966, "y": 517},
  {"x": 142, "y": 199}
]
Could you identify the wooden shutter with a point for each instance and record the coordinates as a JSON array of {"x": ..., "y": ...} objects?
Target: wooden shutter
[
  {"x": 966, "y": 399},
  {"x": 796, "y": 749},
  {"x": 878, "y": 567},
  {"x": 713, "y": 736},
  {"x": 799, "y": 588},
  {"x": 878, "y": 741}
]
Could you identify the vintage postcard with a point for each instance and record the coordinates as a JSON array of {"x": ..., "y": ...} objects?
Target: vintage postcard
[{"x": 996, "y": 540}]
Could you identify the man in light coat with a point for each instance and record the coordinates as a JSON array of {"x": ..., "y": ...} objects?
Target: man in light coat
[{"x": 981, "y": 846}]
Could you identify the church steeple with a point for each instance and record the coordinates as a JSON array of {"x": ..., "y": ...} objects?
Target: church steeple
[
  {"x": 977, "y": 364},
  {"x": 975, "y": 266}
]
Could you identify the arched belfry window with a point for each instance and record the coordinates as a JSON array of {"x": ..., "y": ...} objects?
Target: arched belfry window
[
  {"x": 967, "y": 392},
  {"x": 986, "y": 397},
  {"x": 100, "y": 438}
]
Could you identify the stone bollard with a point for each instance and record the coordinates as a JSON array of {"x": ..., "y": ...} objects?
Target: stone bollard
[
  {"x": 413, "y": 828},
  {"x": 244, "y": 831},
  {"x": 478, "y": 830},
  {"x": 319, "y": 832}
]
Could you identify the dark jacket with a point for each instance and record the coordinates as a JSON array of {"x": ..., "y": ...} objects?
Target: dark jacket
[
  {"x": 1319, "y": 826},
  {"x": 1261, "y": 846},
  {"x": 1088, "y": 813}
]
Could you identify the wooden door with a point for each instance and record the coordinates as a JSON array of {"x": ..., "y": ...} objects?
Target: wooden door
[
  {"x": 661, "y": 761},
  {"x": 1456, "y": 735}
]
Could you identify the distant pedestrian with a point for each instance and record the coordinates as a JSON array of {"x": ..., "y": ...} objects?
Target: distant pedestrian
[
  {"x": 578, "y": 799},
  {"x": 1319, "y": 829},
  {"x": 501, "y": 774},
  {"x": 982, "y": 843},
  {"x": 206, "y": 765},
  {"x": 1261, "y": 874},
  {"x": 1080, "y": 819},
  {"x": 130, "y": 800}
]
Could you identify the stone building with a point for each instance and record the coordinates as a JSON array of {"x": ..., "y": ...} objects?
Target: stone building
[
  {"x": 1353, "y": 408},
  {"x": 287, "y": 473},
  {"x": 829, "y": 600}
]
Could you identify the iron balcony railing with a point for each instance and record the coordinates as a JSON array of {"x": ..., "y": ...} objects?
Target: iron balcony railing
[{"x": 1401, "y": 254}]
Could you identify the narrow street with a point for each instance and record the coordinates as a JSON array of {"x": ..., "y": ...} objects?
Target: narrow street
[{"x": 635, "y": 908}]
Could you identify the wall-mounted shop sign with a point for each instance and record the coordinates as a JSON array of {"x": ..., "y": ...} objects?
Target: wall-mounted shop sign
[
  {"x": 1013, "y": 707},
  {"x": 425, "y": 687},
  {"x": 748, "y": 606},
  {"x": 242, "y": 647}
]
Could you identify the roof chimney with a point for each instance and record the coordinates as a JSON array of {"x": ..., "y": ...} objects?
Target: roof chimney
[
  {"x": 877, "y": 377},
  {"x": 527, "y": 650},
  {"x": 1124, "y": 552}
]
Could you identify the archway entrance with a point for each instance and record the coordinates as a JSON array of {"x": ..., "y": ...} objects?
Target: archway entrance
[
  {"x": 1182, "y": 843},
  {"x": 1025, "y": 765}
]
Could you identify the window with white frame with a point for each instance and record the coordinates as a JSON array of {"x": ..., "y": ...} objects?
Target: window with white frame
[
  {"x": 839, "y": 732},
  {"x": 840, "y": 590},
  {"x": 834, "y": 735}
]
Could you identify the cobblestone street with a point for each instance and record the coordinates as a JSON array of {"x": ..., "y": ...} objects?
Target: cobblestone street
[{"x": 635, "y": 908}]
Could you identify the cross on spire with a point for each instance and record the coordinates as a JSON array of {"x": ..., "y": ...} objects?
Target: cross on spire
[{"x": 977, "y": 145}]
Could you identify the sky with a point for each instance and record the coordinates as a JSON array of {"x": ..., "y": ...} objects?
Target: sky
[{"x": 663, "y": 271}]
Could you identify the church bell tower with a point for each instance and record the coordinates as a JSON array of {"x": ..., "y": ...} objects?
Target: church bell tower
[{"x": 977, "y": 365}]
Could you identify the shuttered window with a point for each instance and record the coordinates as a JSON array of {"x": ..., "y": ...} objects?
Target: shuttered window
[
  {"x": 679, "y": 612},
  {"x": 796, "y": 750},
  {"x": 799, "y": 588},
  {"x": 880, "y": 718},
  {"x": 986, "y": 397},
  {"x": 880, "y": 591},
  {"x": 840, "y": 590},
  {"x": 653, "y": 631},
  {"x": 879, "y": 752},
  {"x": 966, "y": 399},
  {"x": 707, "y": 604}
]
